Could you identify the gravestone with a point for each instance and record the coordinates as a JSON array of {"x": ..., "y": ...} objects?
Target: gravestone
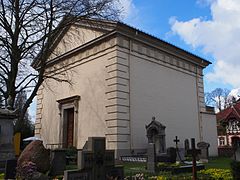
[
  {"x": 156, "y": 134},
  {"x": 179, "y": 151},
  {"x": 151, "y": 160},
  {"x": 10, "y": 169},
  {"x": 77, "y": 175},
  {"x": 96, "y": 162},
  {"x": 186, "y": 146},
  {"x": 169, "y": 157},
  {"x": 203, "y": 146},
  {"x": 6, "y": 136},
  {"x": 237, "y": 154},
  {"x": 58, "y": 162}
]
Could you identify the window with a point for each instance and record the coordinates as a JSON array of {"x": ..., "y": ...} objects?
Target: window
[{"x": 221, "y": 141}]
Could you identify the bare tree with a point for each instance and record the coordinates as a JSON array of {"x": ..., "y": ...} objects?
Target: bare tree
[
  {"x": 218, "y": 98},
  {"x": 28, "y": 28}
]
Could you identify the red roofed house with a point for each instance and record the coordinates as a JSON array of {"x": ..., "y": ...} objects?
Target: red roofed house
[{"x": 228, "y": 126}]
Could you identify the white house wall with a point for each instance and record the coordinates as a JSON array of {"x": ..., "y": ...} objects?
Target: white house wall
[
  {"x": 122, "y": 84},
  {"x": 164, "y": 86},
  {"x": 73, "y": 38},
  {"x": 87, "y": 73},
  {"x": 168, "y": 95},
  {"x": 210, "y": 132}
]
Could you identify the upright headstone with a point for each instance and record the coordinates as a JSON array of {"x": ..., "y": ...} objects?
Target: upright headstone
[
  {"x": 169, "y": 157},
  {"x": 237, "y": 154},
  {"x": 10, "y": 170},
  {"x": 203, "y": 146},
  {"x": 186, "y": 146},
  {"x": 98, "y": 161},
  {"x": 58, "y": 162},
  {"x": 151, "y": 160},
  {"x": 178, "y": 151},
  {"x": 6, "y": 136}
]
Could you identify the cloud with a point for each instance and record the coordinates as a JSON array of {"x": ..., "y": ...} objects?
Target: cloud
[
  {"x": 219, "y": 36},
  {"x": 129, "y": 10},
  {"x": 235, "y": 93},
  {"x": 205, "y": 2}
]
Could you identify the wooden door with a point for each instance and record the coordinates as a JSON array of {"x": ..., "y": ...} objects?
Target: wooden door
[{"x": 70, "y": 127}]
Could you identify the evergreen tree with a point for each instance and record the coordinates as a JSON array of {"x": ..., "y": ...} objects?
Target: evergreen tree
[{"x": 25, "y": 125}]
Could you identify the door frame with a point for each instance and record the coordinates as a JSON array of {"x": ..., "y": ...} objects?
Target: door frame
[{"x": 64, "y": 104}]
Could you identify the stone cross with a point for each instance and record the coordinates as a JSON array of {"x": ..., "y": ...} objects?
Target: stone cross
[
  {"x": 96, "y": 158},
  {"x": 176, "y": 140},
  {"x": 194, "y": 152}
]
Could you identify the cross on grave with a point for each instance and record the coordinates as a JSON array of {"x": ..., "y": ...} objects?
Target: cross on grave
[
  {"x": 96, "y": 158},
  {"x": 194, "y": 152},
  {"x": 176, "y": 140}
]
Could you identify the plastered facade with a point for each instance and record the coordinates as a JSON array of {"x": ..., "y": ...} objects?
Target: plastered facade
[{"x": 122, "y": 82}]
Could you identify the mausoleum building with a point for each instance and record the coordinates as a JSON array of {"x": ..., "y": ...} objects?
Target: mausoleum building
[{"x": 119, "y": 78}]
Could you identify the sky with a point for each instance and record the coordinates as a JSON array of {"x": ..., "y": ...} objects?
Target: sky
[{"x": 207, "y": 28}]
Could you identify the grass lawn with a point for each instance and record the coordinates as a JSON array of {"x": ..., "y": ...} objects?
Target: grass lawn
[
  {"x": 219, "y": 162},
  {"x": 215, "y": 162},
  {"x": 134, "y": 168}
]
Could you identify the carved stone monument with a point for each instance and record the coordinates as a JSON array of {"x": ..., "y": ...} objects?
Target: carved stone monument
[
  {"x": 156, "y": 134},
  {"x": 151, "y": 160},
  {"x": 95, "y": 162},
  {"x": 6, "y": 135},
  {"x": 203, "y": 146}
]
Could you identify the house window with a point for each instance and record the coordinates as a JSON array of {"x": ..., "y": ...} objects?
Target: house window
[
  {"x": 221, "y": 141},
  {"x": 233, "y": 126}
]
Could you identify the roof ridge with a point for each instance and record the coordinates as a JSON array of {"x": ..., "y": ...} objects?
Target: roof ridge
[{"x": 236, "y": 111}]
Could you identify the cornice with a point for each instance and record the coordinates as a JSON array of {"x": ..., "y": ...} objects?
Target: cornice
[{"x": 154, "y": 42}]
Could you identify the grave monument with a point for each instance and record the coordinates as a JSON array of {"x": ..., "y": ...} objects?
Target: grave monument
[
  {"x": 156, "y": 134},
  {"x": 204, "y": 155},
  {"x": 6, "y": 136},
  {"x": 95, "y": 162}
]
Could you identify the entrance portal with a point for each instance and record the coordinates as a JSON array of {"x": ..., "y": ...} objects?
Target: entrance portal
[{"x": 69, "y": 127}]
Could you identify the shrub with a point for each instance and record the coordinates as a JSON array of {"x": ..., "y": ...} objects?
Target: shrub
[
  {"x": 235, "y": 167},
  {"x": 217, "y": 174},
  {"x": 1, "y": 175}
]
